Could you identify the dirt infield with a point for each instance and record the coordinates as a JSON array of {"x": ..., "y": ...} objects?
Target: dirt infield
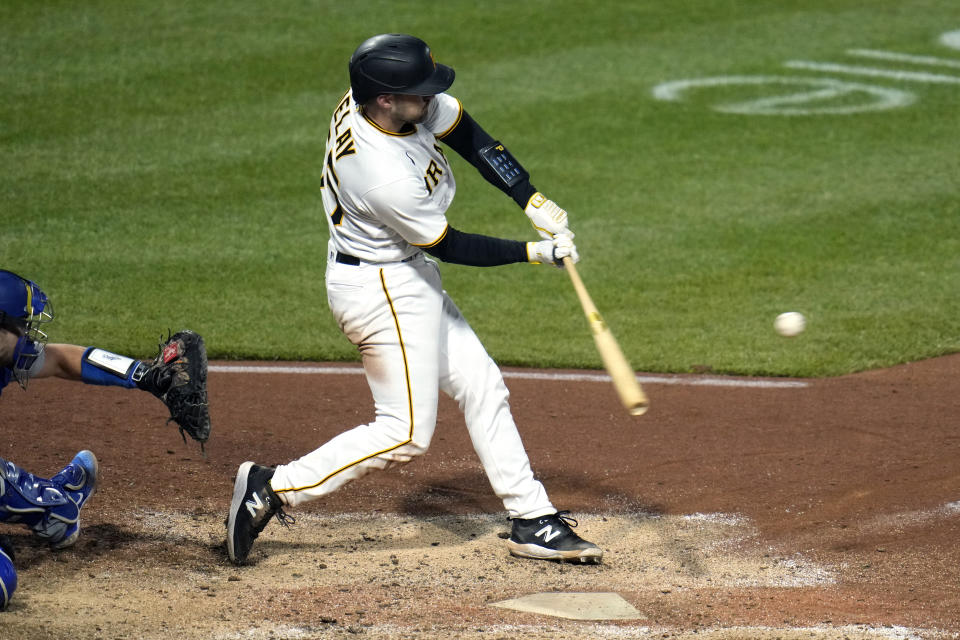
[{"x": 827, "y": 510}]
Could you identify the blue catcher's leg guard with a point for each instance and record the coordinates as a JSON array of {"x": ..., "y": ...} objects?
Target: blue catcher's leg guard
[
  {"x": 8, "y": 574},
  {"x": 51, "y": 508}
]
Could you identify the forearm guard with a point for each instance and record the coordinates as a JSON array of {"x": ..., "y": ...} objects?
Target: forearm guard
[{"x": 492, "y": 159}]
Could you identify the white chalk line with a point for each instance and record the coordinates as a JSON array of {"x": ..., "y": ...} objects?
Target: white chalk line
[
  {"x": 820, "y": 89},
  {"x": 704, "y": 381},
  {"x": 907, "y": 76},
  {"x": 904, "y": 519},
  {"x": 904, "y": 57}
]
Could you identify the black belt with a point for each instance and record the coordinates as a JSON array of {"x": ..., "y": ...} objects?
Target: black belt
[{"x": 345, "y": 258}]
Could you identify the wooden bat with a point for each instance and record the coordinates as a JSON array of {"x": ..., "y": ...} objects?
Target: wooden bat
[{"x": 624, "y": 379}]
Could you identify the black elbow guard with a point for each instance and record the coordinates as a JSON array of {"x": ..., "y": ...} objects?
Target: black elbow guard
[{"x": 506, "y": 168}]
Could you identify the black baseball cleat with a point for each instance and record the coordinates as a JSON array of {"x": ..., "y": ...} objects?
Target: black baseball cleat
[
  {"x": 551, "y": 538},
  {"x": 253, "y": 504}
]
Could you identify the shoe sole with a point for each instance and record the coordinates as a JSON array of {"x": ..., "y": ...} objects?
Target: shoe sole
[
  {"x": 89, "y": 462},
  {"x": 239, "y": 490},
  {"x": 591, "y": 555}
]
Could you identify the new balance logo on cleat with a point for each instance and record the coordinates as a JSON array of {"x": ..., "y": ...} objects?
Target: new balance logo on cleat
[
  {"x": 547, "y": 533},
  {"x": 255, "y": 505},
  {"x": 551, "y": 537}
]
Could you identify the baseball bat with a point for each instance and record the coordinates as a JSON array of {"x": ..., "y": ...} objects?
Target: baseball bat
[{"x": 624, "y": 379}]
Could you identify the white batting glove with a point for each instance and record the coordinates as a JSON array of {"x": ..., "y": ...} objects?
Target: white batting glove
[
  {"x": 553, "y": 251},
  {"x": 546, "y": 217}
]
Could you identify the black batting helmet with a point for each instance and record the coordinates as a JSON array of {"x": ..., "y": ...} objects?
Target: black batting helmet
[{"x": 396, "y": 63}]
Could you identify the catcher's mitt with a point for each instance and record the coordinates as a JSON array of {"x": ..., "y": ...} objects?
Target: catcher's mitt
[{"x": 178, "y": 376}]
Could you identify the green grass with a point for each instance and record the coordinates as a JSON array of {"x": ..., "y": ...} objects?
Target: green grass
[{"x": 160, "y": 170}]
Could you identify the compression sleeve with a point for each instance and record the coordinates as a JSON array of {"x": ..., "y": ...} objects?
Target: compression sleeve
[
  {"x": 467, "y": 138},
  {"x": 475, "y": 250}
]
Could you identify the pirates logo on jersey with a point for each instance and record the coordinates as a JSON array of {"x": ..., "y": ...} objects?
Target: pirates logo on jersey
[{"x": 433, "y": 174}]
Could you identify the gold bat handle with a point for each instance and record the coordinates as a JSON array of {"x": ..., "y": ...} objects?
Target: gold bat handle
[{"x": 624, "y": 378}]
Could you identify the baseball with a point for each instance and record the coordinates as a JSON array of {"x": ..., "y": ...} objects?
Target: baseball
[{"x": 790, "y": 324}]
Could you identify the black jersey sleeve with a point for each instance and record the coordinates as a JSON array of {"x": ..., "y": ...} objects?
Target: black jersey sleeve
[
  {"x": 477, "y": 250},
  {"x": 468, "y": 138}
]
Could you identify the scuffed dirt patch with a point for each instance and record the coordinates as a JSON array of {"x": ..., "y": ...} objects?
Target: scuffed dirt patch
[
  {"x": 823, "y": 511},
  {"x": 165, "y": 574}
]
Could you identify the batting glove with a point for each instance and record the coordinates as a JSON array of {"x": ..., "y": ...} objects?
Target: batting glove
[
  {"x": 546, "y": 217},
  {"x": 554, "y": 251}
]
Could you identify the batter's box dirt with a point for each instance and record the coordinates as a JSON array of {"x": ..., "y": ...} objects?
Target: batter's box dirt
[
  {"x": 165, "y": 573},
  {"x": 827, "y": 510}
]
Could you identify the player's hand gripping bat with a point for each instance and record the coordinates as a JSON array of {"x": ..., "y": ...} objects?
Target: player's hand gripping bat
[{"x": 624, "y": 379}]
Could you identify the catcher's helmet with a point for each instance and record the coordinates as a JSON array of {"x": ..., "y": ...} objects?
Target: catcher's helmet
[
  {"x": 396, "y": 63},
  {"x": 23, "y": 308},
  {"x": 23, "y": 305}
]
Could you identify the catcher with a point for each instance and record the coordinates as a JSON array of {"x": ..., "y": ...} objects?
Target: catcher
[{"x": 178, "y": 375}]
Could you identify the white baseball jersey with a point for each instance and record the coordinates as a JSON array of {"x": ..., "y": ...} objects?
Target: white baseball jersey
[{"x": 393, "y": 195}]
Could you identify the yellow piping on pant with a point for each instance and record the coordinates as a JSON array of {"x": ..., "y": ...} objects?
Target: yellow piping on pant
[{"x": 406, "y": 375}]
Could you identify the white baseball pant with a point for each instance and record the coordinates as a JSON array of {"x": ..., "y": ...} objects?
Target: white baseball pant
[{"x": 414, "y": 342}]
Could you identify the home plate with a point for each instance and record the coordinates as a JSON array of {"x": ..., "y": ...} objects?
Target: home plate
[{"x": 576, "y": 606}]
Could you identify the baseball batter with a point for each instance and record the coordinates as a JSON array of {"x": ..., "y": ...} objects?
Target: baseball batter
[{"x": 386, "y": 188}]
